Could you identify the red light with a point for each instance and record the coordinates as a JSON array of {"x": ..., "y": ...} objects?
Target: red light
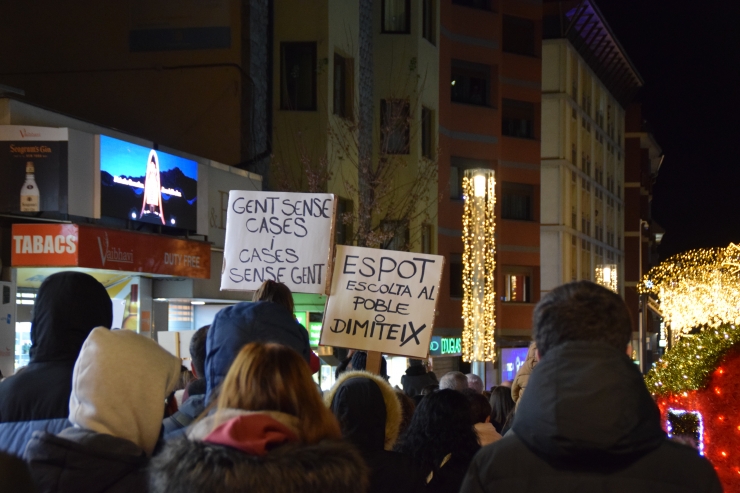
[
  {"x": 722, "y": 371},
  {"x": 724, "y": 454}
]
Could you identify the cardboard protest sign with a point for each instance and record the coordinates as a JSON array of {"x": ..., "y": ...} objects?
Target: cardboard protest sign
[
  {"x": 280, "y": 236},
  {"x": 382, "y": 300}
]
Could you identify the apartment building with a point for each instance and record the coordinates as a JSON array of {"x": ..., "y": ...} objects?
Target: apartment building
[
  {"x": 587, "y": 83},
  {"x": 489, "y": 117}
]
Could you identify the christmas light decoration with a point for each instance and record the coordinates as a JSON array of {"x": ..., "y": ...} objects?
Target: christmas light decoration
[
  {"x": 683, "y": 423},
  {"x": 606, "y": 275},
  {"x": 479, "y": 289}
]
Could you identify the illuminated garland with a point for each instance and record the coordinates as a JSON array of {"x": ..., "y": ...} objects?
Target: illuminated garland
[
  {"x": 479, "y": 265},
  {"x": 698, "y": 288},
  {"x": 689, "y": 363}
]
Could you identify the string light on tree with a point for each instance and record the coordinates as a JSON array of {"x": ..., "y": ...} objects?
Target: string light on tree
[
  {"x": 479, "y": 289},
  {"x": 606, "y": 275}
]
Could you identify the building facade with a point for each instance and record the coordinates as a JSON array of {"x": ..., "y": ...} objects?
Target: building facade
[{"x": 587, "y": 82}]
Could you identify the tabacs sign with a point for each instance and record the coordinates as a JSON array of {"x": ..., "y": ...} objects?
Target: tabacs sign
[
  {"x": 278, "y": 236},
  {"x": 382, "y": 300}
]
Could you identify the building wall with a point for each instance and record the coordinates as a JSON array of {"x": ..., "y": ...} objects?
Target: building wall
[
  {"x": 473, "y": 134},
  {"x": 75, "y": 58},
  {"x": 583, "y": 154}
]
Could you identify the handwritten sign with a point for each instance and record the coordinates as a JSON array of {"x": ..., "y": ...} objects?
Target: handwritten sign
[
  {"x": 382, "y": 300},
  {"x": 280, "y": 236}
]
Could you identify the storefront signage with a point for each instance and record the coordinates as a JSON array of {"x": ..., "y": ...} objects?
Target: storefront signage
[
  {"x": 445, "y": 346},
  {"x": 284, "y": 237},
  {"x": 143, "y": 184},
  {"x": 33, "y": 169},
  {"x": 382, "y": 300},
  {"x": 73, "y": 245}
]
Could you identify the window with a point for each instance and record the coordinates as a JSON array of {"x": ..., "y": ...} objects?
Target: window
[
  {"x": 343, "y": 228},
  {"x": 456, "y": 276},
  {"x": 517, "y": 119},
  {"x": 458, "y": 165},
  {"x": 573, "y": 154},
  {"x": 394, "y": 123},
  {"x": 396, "y": 16},
  {"x": 429, "y": 24},
  {"x": 516, "y": 201},
  {"x": 518, "y": 35},
  {"x": 427, "y": 133},
  {"x": 298, "y": 76},
  {"x": 517, "y": 287},
  {"x": 397, "y": 235},
  {"x": 343, "y": 86},
  {"x": 476, "y": 4},
  {"x": 427, "y": 240},
  {"x": 471, "y": 83}
]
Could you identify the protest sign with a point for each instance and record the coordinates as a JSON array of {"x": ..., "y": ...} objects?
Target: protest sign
[
  {"x": 280, "y": 236},
  {"x": 382, "y": 300}
]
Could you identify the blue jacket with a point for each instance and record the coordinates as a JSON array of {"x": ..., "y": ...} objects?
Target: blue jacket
[
  {"x": 68, "y": 306},
  {"x": 240, "y": 324},
  {"x": 187, "y": 413}
]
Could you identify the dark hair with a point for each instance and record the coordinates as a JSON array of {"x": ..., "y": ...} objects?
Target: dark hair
[
  {"x": 441, "y": 425},
  {"x": 502, "y": 405},
  {"x": 581, "y": 311},
  {"x": 429, "y": 389},
  {"x": 408, "y": 406},
  {"x": 359, "y": 362},
  {"x": 480, "y": 409},
  {"x": 198, "y": 350},
  {"x": 276, "y": 292}
]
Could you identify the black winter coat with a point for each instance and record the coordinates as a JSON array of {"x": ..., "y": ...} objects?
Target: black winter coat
[
  {"x": 68, "y": 307},
  {"x": 588, "y": 424},
  {"x": 81, "y": 460},
  {"x": 416, "y": 378}
]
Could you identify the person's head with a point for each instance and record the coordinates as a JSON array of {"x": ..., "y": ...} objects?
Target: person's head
[
  {"x": 276, "y": 292},
  {"x": 442, "y": 424},
  {"x": 581, "y": 311},
  {"x": 198, "y": 351},
  {"x": 368, "y": 410},
  {"x": 501, "y": 405},
  {"x": 69, "y": 305},
  {"x": 273, "y": 377},
  {"x": 480, "y": 409},
  {"x": 359, "y": 362},
  {"x": 474, "y": 382},
  {"x": 453, "y": 380},
  {"x": 119, "y": 385}
]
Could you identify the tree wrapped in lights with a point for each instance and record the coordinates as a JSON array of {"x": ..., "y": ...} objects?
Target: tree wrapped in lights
[{"x": 479, "y": 264}]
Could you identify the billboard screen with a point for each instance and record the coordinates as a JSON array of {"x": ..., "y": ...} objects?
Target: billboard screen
[
  {"x": 512, "y": 358},
  {"x": 147, "y": 185}
]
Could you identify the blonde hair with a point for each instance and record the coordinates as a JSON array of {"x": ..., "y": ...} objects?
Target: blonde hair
[{"x": 273, "y": 377}]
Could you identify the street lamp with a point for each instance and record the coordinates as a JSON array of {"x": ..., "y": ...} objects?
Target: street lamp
[{"x": 479, "y": 288}]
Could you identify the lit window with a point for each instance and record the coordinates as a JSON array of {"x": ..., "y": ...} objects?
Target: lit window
[{"x": 517, "y": 287}]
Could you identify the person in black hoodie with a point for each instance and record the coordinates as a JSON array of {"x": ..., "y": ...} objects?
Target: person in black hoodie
[
  {"x": 370, "y": 416},
  {"x": 68, "y": 306},
  {"x": 587, "y": 421},
  {"x": 416, "y": 378}
]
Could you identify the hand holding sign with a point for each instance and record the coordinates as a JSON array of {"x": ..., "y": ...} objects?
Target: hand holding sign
[
  {"x": 382, "y": 300},
  {"x": 278, "y": 236}
]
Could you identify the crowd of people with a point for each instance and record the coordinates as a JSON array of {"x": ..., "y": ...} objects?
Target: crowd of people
[{"x": 100, "y": 410}]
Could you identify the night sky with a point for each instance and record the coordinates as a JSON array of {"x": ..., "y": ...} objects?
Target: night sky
[{"x": 689, "y": 56}]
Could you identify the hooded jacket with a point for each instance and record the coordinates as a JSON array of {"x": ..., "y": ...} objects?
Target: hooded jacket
[
  {"x": 522, "y": 377},
  {"x": 588, "y": 423},
  {"x": 237, "y": 450},
  {"x": 370, "y": 415},
  {"x": 119, "y": 386},
  {"x": 68, "y": 306},
  {"x": 240, "y": 324},
  {"x": 416, "y": 378}
]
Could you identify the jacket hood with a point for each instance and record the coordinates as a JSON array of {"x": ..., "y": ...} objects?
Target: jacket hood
[
  {"x": 204, "y": 427},
  {"x": 254, "y": 434},
  {"x": 416, "y": 370},
  {"x": 368, "y": 410},
  {"x": 238, "y": 325},
  {"x": 119, "y": 385},
  {"x": 587, "y": 401},
  {"x": 68, "y": 306}
]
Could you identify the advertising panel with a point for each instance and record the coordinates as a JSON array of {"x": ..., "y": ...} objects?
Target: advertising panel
[
  {"x": 382, "y": 300},
  {"x": 147, "y": 185},
  {"x": 33, "y": 169},
  {"x": 279, "y": 236},
  {"x": 73, "y": 245},
  {"x": 511, "y": 360},
  {"x": 7, "y": 328}
]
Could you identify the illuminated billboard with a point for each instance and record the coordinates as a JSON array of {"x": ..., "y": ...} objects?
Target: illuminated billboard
[{"x": 143, "y": 184}]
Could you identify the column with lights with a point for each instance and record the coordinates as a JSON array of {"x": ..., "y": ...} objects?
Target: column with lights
[
  {"x": 606, "y": 275},
  {"x": 479, "y": 288}
]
